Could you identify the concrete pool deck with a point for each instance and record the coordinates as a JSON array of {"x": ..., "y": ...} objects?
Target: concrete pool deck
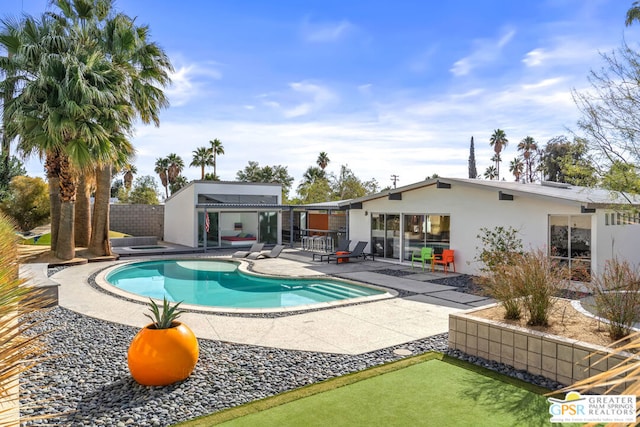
[{"x": 350, "y": 329}]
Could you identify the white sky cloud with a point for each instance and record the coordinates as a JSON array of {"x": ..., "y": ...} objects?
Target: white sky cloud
[
  {"x": 484, "y": 52},
  {"x": 324, "y": 32}
]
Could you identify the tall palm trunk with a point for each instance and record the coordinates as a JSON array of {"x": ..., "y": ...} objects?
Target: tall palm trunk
[
  {"x": 52, "y": 166},
  {"x": 100, "y": 244},
  {"x": 83, "y": 211},
  {"x": 65, "y": 248}
]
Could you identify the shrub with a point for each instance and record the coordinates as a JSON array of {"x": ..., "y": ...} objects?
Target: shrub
[
  {"x": 500, "y": 246},
  {"x": 27, "y": 202},
  {"x": 529, "y": 283},
  {"x": 616, "y": 295},
  {"x": 538, "y": 279},
  {"x": 499, "y": 286}
]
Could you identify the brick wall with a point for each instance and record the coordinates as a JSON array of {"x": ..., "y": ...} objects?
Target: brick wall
[{"x": 138, "y": 220}]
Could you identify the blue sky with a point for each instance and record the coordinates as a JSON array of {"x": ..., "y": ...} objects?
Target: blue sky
[{"x": 387, "y": 88}]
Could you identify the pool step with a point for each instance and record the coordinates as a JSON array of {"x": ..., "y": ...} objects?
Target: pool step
[{"x": 337, "y": 291}]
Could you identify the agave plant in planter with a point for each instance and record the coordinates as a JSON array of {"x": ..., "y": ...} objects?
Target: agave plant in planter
[{"x": 165, "y": 351}]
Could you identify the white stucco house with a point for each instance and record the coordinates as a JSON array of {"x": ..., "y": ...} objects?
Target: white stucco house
[
  {"x": 237, "y": 214},
  {"x": 581, "y": 226}
]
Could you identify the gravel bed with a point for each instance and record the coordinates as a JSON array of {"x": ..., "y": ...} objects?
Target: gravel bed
[
  {"x": 88, "y": 377},
  {"x": 88, "y": 382}
]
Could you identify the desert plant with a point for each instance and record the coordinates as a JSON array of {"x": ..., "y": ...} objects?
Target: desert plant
[
  {"x": 529, "y": 282},
  {"x": 538, "y": 279},
  {"x": 20, "y": 349},
  {"x": 165, "y": 318},
  {"x": 499, "y": 285},
  {"x": 499, "y": 246},
  {"x": 616, "y": 296}
]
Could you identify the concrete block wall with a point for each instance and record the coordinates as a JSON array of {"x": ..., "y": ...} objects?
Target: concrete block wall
[
  {"x": 138, "y": 220},
  {"x": 561, "y": 359}
]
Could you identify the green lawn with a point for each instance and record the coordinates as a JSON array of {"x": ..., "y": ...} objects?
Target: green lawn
[
  {"x": 45, "y": 239},
  {"x": 427, "y": 390}
]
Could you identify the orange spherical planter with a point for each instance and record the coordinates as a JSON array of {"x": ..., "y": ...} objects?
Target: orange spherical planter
[{"x": 162, "y": 356}]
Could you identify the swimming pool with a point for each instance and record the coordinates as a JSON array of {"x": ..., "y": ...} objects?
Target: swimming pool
[{"x": 219, "y": 283}]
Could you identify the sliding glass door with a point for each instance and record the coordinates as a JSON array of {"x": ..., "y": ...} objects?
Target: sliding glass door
[{"x": 385, "y": 235}]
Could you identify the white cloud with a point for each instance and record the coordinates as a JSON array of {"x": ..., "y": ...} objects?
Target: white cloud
[
  {"x": 326, "y": 31},
  {"x": 190, "y": 81},
  {"x": 303, "y": 99},
  {"x": 485, "y": 52}
]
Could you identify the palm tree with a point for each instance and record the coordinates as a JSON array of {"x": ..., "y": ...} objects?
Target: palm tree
[
  {"x": 176, "y": 165},
  {"x": 516, "y": 167},
  {"x": 323, "y": 160},
  {"x": 498, "y": 141},
  {"x": 128, "y": 171},
  {"x": 529, "y": 148},
  {"x": 202, "y": 157},
  {"x": 491, "y": 173},
  {"x": 161, "y": 167},
  {"x": 218, "y": 150},
  {"x": 89, "y": 33},
  {"x": 65, "y": 109}
]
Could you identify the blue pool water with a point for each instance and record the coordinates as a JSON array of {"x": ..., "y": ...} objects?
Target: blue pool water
[{"x": 218, "y": 283}]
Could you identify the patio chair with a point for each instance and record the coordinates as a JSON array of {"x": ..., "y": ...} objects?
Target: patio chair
[
  {"x": 445, "y": 259},
  {"x": 274, "y": 253},
  {"x": 357, "y": 252},
  {"x": 342, "y": 247},
  {"x": 256, "y": 247},
  {"x": 425, "y": 254}
]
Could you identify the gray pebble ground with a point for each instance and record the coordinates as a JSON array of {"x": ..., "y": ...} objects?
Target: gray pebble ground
[{"x": 90, "y": 383}]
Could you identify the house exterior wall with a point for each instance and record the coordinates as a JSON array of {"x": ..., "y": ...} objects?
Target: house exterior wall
[
  {"x": 616, "y": 241},
  {"x": 181, "y": 216},
  {"x": 470, "y": 208}
]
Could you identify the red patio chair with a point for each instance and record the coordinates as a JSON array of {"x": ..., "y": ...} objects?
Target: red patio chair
[{"x": 445, "y": 259}]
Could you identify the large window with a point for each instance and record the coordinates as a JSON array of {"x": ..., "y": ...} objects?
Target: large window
[
  {"x": 429, "y": 230},
  {"x": 570, "y": 242}
]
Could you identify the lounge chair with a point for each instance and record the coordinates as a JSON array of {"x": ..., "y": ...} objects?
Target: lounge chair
[
  {"x": 357, "y": 252},
  {"x": 342, "y": 247},
  {"x": 274, "y": 253},
  {"x": 256, "y": 247}
]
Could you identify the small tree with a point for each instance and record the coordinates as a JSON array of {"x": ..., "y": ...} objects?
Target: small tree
[
  {"x": 144, "y": 192},
  {"x": 500, "y": 247},
  {"x": 27, "y": 202}
]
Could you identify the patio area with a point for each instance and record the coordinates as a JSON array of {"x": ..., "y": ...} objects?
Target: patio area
[
  {"x": 241, "y": 358},
  {"x": 420, "y": 309}
]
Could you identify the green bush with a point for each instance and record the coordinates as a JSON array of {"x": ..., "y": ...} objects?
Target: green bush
[
  {"x": 500, "y": 246},
  {"x": 27, "y": 202},
  {"x": 616, "y": 294}
]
